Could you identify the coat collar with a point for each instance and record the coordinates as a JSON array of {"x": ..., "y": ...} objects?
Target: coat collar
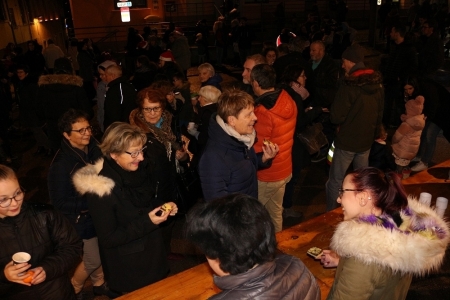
[{"x": 88, "y": 180}]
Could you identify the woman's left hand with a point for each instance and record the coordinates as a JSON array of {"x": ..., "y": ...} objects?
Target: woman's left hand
[
  {"x": 39, "y": 275},
  {"x": 269, "y": 151}
]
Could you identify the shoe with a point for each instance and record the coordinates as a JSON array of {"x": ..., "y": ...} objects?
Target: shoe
[
  {"x": 291, "y": 213},
  {"x": 415, "y": 159},
  {"x": 420, "y": 166},
  {"x": 175, "y": 256},
  {"x": 104, "y": 290}
]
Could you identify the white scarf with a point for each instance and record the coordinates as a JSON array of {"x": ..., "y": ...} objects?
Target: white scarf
[{"x": 247, "y": 139}]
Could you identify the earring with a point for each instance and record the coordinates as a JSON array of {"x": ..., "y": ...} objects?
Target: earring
[{"x": 370, "y": 198}]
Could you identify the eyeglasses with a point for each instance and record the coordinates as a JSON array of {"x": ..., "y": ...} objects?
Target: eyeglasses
[
  {"x": 5, "y": 202},
  {"x": 341, "y": 191},
  {"x": 83, "y": 130},
  {"x": 136, "y": 153},
  {"x": 150, "y": 109}
]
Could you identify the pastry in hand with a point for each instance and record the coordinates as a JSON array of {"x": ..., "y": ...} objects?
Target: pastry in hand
[
  {"x": 315, "y": 252},
  {"x": 268, "y": 142}
]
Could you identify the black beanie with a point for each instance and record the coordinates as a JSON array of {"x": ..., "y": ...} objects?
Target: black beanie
[{"x": 354, "y": 54}]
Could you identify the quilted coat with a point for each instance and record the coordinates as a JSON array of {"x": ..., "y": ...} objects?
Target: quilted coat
[
  {"x": 379, "y": 258},
  {"x": 277, "y": 116}
]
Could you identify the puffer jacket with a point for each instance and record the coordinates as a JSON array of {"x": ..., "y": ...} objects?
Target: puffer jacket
[
  {"x": 284, "y": 278},
  {"x": 62, "y": 191},
  {"x": 227, "y": 165},
  {"x": 379, "y": 258},
  {"x": 214, "y": 81},
  {"x": 53, "y": 244},
  {"x": 358, "y": 110},
  {"x": 277, "y": 116}
]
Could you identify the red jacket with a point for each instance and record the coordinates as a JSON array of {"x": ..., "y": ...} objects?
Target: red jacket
[{"x": 277, "y": 114}]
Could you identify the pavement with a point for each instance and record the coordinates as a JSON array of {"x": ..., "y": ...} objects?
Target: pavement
[{"x": 309, "y": 197}]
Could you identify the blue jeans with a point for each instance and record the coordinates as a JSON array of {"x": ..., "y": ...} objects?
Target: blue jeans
[
  {"x": 428, "y": 141},
  {"x": 341, "y": 161}
]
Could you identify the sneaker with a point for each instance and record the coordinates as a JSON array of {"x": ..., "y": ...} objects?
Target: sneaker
[
  {"x": 291, "y": 213},
  {"x": 420, "y": 166},
  {"x": 415, "y": 159}
]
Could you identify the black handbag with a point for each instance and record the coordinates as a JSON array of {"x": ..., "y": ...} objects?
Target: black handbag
[{"x": 313, "y": 138}]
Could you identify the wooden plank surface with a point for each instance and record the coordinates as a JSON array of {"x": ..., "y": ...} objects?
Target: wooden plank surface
[{"x": 197, "y": 283}]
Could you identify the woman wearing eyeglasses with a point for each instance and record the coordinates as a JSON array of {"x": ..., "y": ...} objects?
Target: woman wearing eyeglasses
[
  {"x": 385, "y": 238},
  {"x": 163, "y": 150},
  {"x": 42, "y": 232},
  {"x": 120, "y": 190}
]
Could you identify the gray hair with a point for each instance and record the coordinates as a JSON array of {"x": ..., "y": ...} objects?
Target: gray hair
[
  {"x": 210, "y": 93},
  {"x": 120, "y": 136}
]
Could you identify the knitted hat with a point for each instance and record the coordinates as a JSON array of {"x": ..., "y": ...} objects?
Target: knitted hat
[
  {"x": 63, "y": 65},
  {"x": 167, "y": 56},
  {"x": 354, "y": 54}
]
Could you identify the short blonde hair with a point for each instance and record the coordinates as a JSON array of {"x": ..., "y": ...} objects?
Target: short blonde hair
[
  {"x": 210, "y": 93},
  {"x": 114, "y": 70},
  {"x": 119, "y": 137},
  {"x": 207, "y": 66},
  {"x": 232, "y": 102}
]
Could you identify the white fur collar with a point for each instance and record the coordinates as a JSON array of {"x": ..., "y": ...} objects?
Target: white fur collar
[
  {"x": 417, "y": 247},
  {"x": 87, "y": 180}
]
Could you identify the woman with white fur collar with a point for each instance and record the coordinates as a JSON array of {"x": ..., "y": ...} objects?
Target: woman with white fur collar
[{"x": 385, "y": 238}]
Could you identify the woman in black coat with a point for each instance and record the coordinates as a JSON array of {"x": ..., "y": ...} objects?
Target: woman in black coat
[
  {"x": 120, "y": 195},
  {"x": 45, "y": 234},
  {"x": 163, "y": 149}
]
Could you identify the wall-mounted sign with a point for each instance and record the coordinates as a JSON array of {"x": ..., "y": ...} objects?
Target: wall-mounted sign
[
  {"x": 125, "y": 14},
  {"x": 124, "y": 4}
]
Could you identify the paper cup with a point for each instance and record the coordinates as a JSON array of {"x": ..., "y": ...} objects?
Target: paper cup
[
  {"x": 191, "y": 125},
  {"x": 442, "y": 202},
  {"x": 425, "y": 198},
  {"x": 21, "y": 257}
]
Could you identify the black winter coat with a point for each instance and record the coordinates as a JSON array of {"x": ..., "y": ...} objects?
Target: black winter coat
[
  {"x": 62, "y": 192},
  {"x": 26, "y": 91},
  {"x": 53, "y": 245},
  {"x": 120, "y": 100},
  {"x": 323, "y": 82},
  {"x": 131, "y": 246}
]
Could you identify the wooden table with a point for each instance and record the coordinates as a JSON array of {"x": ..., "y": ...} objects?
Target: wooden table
[{"x": 197, "y": 283}]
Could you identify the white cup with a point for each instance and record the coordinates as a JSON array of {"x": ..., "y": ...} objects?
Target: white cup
[
  {"x": 191, "y": 125},
  {"x": 21, "y": 257},
  {"x": 425, "y": 198},
  {"x": 441, "y": 206}
]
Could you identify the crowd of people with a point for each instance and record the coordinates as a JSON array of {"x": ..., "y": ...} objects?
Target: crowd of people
[{"x": 126, "y": 136}]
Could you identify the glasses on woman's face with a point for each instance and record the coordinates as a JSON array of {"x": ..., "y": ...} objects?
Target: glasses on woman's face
[
  {"x": 84, "y": 130},
  {"x": 5, "y": 202},
  {"x": 136, "y": 153},
  {"x": 152, "y": 109},
  {"x": 341, "y": 191}
]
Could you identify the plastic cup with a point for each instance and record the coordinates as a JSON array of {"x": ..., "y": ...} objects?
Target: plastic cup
[
  {"x": 21, "y": 257},
  {"x": 441, "y": 206},
  {"x": 425, "y": 198}
]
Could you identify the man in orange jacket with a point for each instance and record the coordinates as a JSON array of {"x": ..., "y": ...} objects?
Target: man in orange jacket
[{"x": 277, "y": 113}]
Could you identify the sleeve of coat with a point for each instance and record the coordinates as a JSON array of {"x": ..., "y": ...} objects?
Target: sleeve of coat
[
  {"x": 62, "y": 192},
  {"x": 340, "y": 107},
  {"x": 66, "y": 244},
  {"x": 356, "y": 281},
  {"x": 112, "y": 234}
]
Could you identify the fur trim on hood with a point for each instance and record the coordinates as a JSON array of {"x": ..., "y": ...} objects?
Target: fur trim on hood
[
  {"x": 61, "y": 79},
  {"x": 87, "y": 180},
  {"x": 364, "y": 77},
  {"x": 416, "y": 247}
]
